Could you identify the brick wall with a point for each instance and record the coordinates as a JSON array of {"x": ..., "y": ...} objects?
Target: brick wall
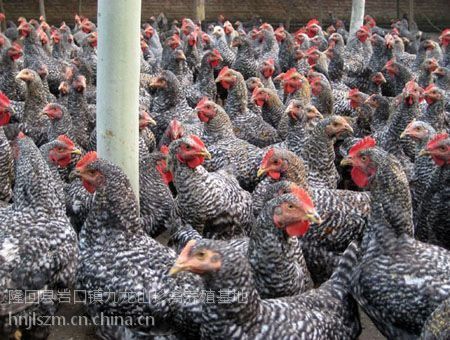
[{"x": 275, "y": 11}]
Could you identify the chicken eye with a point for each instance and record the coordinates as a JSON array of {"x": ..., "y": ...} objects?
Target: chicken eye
[
  {"x": 290, "y": 206},
  {"x": 363, "y": 158},
  {"x": 188, "y": 147},
  {"x": 200, "y": 255},
  {"x": 443, "y": 148}
]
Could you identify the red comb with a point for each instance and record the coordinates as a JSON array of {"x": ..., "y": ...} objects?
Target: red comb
[
  {"x": 223, "y": 71},
  {"x": 87, "y": 159},
  {"x": 312, "y": 22},
  {"x": 366, "y": 143},
  {"x": 66, "y": 140},
  {"x": 267, "y": 156},
  {"x": 365, "y": 29},
  {"x": 352, "y": 92},
  {"x": 445, "y": 32},
  {"x": 289, "y": 73},
  {"x": 202, "y": 101},
  {"x": 436, "y": 139},
  {"x": 197, "y": 140},
  {"x": 302, "y": 196},
  {"x": 21, "y": 135},
  {"x": 216, "y": 52},
  {"x": 164, "y": 150},
  {"x": 4, "y": 100}
]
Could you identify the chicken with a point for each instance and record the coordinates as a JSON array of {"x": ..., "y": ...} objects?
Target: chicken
[
  {"x": 225, "y": 148},
  {"x": 286, "y": 54},
  {"x": 48, "y": 259},
  {"x": 247, "y": 125},
  {"x": 435, "y": 113},
  {"x": 170, "y": 103},
  {"x": 130, "y": 260},
  {"x": 35, "y": 101},
  {"x": 156, "y": 201},
  {"x": 245, "y": 62},
  {"x": 220, "y": 43},
  {"x": 420, "y": 132},
  {"x": 401, "y": 266},
  {"x": 272, "y": 107},
  {"x": 13, "y": 88},
  {"x": 318, "y": 151},
  {"x": 344, "y": 213},
  {"x": 212, "y": 203},
  {"x": 60, "y": 121},
  {"x": 326, "y": 312},
  {"x": 433, "y": 221}
]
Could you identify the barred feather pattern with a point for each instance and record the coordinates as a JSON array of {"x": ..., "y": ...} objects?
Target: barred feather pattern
[
  {"x": 155, "y": 199},
  {"x": 433, "y": 215},
  {"x": 248, "y": 125},
  {"x": 322, "y": 171},
  {"x": 401, "y": 265},
  {"x": 325, "y": 312},
  {"x": 49, "y": 257},
  {"x": 116, "y": 255},
  {"x": 6, "y": 168},
  {"x": 245, "y": 62},
  {"x": 212, "y": 203}
]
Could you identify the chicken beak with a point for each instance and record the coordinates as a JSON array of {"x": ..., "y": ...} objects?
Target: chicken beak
[
  {"x": 347, "y": 162},
  {"x": 178, "y": 267},
  {"x": 205, "y": 153},
  {"x": 404, "y": 134},
  {"x": 348, "y": 128},
  {"x": 314, "y": 217},
  {"x": 261, "y": 171},
  {"x": 76, "y": 152},
  {"x": 424, "y": 152},
  {"x": 218, "y": 79}
]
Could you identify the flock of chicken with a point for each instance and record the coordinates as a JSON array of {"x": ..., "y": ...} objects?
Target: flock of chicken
[{"x": 254, "y": 146}]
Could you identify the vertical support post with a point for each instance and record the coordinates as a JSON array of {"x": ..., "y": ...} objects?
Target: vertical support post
[
  {"x": 118, "y": 71},
  {"x": 398, "y": 9},
  {"x": 42, "y": 9},
  {"x": 79, "y": 6},
  {"x": 199, "y": 10},
  {"x": 357, "y": 19}
]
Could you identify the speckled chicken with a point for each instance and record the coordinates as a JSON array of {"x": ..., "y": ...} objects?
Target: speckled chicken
[
  {"x": 48, "y": 259},
  {"x": 116, "y": 255},
  {"x": 247, "y": 125},
  {"x": 325, "y": 312},
  {"x": 433, "y": 215},
  {"x": 213, "y": 203},
  {"x": 228, "y": 151},
  {"x": 402, "y": 267}
]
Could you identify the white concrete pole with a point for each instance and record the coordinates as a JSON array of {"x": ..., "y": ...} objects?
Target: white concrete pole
[
  {"x": 118, "y": 68},
  {"x": 357, "y": 19}
]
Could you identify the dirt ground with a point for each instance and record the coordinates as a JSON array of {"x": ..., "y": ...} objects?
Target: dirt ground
[{"x": 88, "y": 333}]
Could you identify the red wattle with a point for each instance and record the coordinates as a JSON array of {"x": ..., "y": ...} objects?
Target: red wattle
[
  {"x": 274, "y": 175},
  {"x": 359, "y": 177},
  {"x": 88, "y": 186},
  {"x": 297, "y": 229}
]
